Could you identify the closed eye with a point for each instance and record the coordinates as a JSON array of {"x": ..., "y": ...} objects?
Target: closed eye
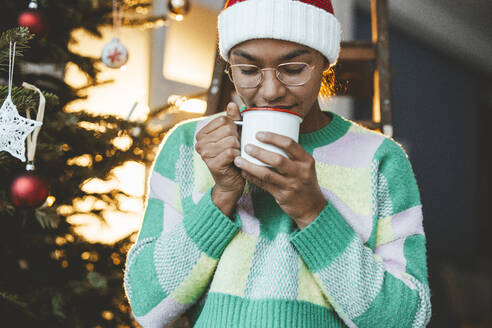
[
  {"x": 292, "y": 68},
  {"x": 249, "y": 70}
]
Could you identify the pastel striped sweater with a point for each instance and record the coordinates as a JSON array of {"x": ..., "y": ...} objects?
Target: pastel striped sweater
[{"x": 361, "y": 263}]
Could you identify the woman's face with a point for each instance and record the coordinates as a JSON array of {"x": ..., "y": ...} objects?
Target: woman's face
[{"x": 268, "y": 53}]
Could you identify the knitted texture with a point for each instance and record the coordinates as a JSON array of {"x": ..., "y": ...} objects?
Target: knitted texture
[
  {"x": 307, "y": 22},
  {"x": 360, "y": 263}
]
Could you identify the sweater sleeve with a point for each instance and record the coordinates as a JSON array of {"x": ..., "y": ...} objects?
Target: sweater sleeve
[
  {"x": 180, "y": 241},
  {"x": 384, "y": 287}
]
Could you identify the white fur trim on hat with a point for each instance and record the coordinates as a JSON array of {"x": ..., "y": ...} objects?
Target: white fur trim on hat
[{"x": 287, "y": 20}]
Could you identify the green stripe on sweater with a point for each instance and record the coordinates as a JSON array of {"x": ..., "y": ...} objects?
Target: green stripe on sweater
[
  {"x": 153, "y": 219},
  {"x": 396, "y": 168},
  {"x": 416, "y": 259},
  {"x": 395, "y": 306},
  {"x": 144, "y": 284}
]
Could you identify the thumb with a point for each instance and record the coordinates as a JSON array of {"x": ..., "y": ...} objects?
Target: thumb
[{"x": 233, "y": 111}]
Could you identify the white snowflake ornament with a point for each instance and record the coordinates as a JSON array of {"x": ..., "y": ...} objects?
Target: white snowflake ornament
[{"x": 14, "y": 130}]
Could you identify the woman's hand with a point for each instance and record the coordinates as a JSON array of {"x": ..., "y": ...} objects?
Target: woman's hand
[
  {"x": 218, "y": 144},
  {"x": 293, "y": 183}
]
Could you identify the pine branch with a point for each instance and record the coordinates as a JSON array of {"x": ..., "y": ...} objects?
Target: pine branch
[
  {"x": 86, "y": 65},
  {"x": 21, "y": 36},
  {"x": 147, "y": 22},
  {"x": 25, "y": 99},
  {"x": 135, "y": 3},
  {"x": 13, "y": 299}
]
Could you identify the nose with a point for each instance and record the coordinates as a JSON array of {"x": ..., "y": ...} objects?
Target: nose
[{"x": 271, "y": 88}]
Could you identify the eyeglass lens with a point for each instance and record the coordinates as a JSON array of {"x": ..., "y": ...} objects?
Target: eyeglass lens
[{"x": 250, "y": 76}]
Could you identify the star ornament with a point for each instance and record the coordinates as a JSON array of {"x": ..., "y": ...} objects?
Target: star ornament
[{"x": 14, "y": 130}]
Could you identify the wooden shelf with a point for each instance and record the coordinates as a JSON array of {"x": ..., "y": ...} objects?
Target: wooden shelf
[
  {"x": 369, "y": 124},
  {"x": 357, "y": 51}
]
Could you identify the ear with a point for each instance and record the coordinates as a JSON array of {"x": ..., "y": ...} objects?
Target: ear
[{"x": 326, "y": 63}]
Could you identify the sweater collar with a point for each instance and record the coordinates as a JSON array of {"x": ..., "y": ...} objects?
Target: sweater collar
[{"x": 337, "y": 127}]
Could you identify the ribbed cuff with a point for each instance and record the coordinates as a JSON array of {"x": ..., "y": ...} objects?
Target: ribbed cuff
[
  {"x": 222, "y": 310},
  {"x": 209, "y": 228},
  {"x": 324, "y": 239}
]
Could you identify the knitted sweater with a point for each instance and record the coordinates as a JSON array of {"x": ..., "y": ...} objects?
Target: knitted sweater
[{"x": 360, "y": 263}]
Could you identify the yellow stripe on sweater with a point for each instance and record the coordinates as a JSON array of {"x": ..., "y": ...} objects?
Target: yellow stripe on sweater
[
  {"x": 232, "y": 272},
  {"x": 309, "y": 290},
  {"x": 351, "y": 185},
  {"x": 194, "y": 285}
]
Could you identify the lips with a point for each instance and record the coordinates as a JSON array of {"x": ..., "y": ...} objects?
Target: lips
[{"x": 276, "y": 106}]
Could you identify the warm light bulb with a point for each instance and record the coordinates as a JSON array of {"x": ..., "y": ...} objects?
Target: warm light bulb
[
  {"x": 50, "y": 201},
  {"x": 178, "y": 8},
  {"x": 194, "y": 106}
]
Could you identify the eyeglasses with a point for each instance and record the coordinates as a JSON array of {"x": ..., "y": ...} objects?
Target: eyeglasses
[{"x": 251, "y": 76}]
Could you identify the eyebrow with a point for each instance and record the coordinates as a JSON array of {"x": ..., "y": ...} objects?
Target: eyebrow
[
  {"x": 244, "y": 54},
  {"x": 288, "y": 56},
  {"x": 295, "y": 54}
]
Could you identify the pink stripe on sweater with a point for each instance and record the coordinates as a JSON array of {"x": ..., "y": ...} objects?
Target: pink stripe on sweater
[
  {"x": 249, "y": 223},
  {"x": 362, "y": 225},
  {"x": 392, "y": 253},
  {"x": 161, "y": 187},
  {"x": 408, "y": 222},
  {"x": 353, "y": 150}
]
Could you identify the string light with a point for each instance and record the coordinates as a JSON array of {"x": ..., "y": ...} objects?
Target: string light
[{"x": 178, "y": 8}]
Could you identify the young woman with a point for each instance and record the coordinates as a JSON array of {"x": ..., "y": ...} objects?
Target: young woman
[{"x": 332, "y": 236}]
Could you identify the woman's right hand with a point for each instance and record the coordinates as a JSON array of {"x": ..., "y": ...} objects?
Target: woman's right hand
[{"x": 218, "y": 144}]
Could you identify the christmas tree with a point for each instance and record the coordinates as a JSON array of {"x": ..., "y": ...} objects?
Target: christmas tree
[{"x": 50, "y": 276}]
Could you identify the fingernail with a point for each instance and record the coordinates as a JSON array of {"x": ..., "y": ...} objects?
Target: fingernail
[
  {"x": 248, "y": 149},
  {"x": 260, "y": 136},
  {"x": 238, "y": 161}
]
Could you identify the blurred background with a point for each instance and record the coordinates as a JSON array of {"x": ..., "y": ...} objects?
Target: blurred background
[{"x": 117, "y": 75}]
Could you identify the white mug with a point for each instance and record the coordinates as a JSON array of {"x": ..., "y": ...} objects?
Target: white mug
[{"x": 276, "y": 120}]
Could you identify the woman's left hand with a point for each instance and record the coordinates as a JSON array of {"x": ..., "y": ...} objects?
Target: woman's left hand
[{"x": 293, "y": 183}]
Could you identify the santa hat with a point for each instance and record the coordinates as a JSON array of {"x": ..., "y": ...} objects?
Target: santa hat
[{"x": 308, "y": 22}]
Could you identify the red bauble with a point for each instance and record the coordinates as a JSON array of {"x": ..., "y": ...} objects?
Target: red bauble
[
  {"x": 28, "y": 190},
  {"x": 35, "y": 21}
]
